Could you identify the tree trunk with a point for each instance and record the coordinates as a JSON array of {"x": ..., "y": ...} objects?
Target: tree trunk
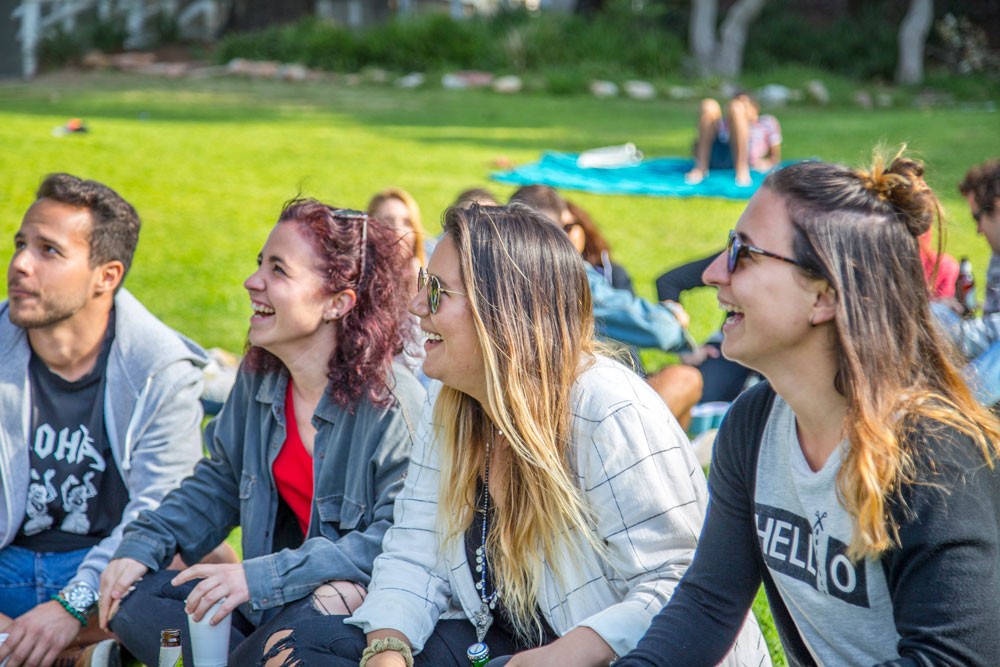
[
  {"x": 733, "y": 36},
  {"x": 258, "y": 14},
  {"x": 702, "y": 33},
  {"x": 912, "y": 37},
  {"x": 588, "y": 6}
]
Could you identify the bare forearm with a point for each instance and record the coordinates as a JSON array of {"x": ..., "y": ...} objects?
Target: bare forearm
[{"x": 580, "y": 647}]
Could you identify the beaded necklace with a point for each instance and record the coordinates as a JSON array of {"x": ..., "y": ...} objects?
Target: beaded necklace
[{"x": 479, "y": 652}]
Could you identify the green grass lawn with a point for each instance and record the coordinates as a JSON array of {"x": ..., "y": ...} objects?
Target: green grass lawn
[{"x": 209, "y": 162}]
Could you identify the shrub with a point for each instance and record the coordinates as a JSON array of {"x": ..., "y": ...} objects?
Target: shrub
[
  {"x": 615, "y": 44},
  {"x": 59, "y": 47},
  {"x": 862, "y": 47},
  {"x": 107, "y": 35},
  {"x": 565, "y": 80}
]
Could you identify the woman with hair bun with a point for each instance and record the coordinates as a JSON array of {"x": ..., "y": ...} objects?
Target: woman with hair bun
[{"x": 860, "y": 482}]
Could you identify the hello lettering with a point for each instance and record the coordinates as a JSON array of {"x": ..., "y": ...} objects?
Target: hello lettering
[{"x": 799, "y": 548}]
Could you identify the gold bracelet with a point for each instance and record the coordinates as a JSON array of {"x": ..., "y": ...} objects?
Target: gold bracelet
[{"x": 387, "y": 644}]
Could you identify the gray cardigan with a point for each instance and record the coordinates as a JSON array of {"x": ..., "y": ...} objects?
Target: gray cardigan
[
  {"x": 359, "y": 464},
  {"x": 151, "y": 413}
]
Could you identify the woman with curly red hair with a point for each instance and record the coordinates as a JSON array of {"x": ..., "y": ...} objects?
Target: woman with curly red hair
[{"x": 306, "y": 456}]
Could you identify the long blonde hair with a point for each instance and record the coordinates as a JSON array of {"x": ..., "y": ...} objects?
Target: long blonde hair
[
  {"x": 858, "y": 230},
  {"x": 530, "y": 301},
  {"x": 419, "y": 235}
]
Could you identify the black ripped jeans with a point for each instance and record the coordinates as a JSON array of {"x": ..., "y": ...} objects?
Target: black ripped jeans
[
  {"x": 329, "y": 642},
  {"x": 157, "y": 605}
]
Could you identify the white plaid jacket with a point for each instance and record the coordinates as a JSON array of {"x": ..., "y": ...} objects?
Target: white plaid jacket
[{"x": 639, "y": 475}]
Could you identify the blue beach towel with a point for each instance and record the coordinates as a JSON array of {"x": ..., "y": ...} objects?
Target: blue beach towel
[{"x": 660, "y": 177}]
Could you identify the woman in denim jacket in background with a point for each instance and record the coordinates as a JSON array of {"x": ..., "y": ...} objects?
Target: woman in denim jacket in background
[{"x": 306, "y": 456}]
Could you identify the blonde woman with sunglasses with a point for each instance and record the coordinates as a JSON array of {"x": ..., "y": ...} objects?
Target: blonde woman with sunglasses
[
  {"x": 860, "y": 482},
  {"x": 552, "y": 502}
]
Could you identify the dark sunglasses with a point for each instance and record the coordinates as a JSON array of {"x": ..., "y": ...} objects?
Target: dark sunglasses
[
  {"x": 737, "y": 249},
  {"x": 434, "y": 289},
  {"x": 978, "y": 215}
]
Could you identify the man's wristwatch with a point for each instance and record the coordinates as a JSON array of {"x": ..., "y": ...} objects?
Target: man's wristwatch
[{"x": 79, "y": 599}]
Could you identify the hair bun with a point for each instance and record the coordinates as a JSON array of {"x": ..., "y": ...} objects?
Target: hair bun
[{"x": 901, "y": 185}]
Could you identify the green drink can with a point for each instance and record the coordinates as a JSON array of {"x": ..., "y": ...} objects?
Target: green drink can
[{"x": 478, "y": 654}]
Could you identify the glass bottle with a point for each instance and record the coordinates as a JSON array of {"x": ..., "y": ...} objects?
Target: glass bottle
[
  {"x": 478, "y": 654},
  {"x": 965, "y": 288},
  {"x": 170, "y": 649}
]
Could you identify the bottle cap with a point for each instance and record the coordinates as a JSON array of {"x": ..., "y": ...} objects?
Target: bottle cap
[
  {"x": 477, "y": 652},
  {"x": 170, "y": 636}
]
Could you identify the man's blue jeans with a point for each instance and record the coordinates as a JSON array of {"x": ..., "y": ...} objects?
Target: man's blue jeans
[{"x": 29, "y": 578}]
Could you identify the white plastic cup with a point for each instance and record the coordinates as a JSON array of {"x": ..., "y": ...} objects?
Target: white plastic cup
[{"x": 210, "y": 643}]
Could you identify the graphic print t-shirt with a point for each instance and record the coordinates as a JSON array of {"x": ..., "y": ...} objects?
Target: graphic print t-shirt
[
  {"x": 75, "y": 494},
  {"x": 842, "y": 609}
]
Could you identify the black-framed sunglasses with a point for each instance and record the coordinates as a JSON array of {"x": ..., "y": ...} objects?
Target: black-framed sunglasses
[
  {"x": 737, "y": 249},
  {"x": 434, "y": 289},
  {"x": 978, "y": 215}
]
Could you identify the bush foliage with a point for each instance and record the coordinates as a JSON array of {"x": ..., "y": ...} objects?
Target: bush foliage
[
  {"x": 510, "y": 42},
  {"x": 567, "y": 50}
]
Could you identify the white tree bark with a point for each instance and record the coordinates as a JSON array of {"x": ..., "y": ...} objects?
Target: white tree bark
[
  {"x": 701, "y": 33},
  {"x": 722, "y": 54},
  {"x": 30, "y": 15},
  {"x": 135, "y": 25},
  {"x": 912, "y": 38},
  {"x": 733, "y": 36}
]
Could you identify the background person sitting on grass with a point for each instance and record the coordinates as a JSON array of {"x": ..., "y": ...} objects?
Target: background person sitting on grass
[
  {"x": 741, "y": 140},
  {"x": 306, "y": 456},
  {"x": 979, "y": 337},
  {"x": 621, "y": 316},
  {"x": 398, "y": 209}
]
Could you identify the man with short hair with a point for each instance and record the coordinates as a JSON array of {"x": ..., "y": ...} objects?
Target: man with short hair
[
  {"x": 99, "y": 416},
  {"x": 979, "y": 338}
]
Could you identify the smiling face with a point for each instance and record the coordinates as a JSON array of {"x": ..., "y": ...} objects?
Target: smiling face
[
  {"x": 454, "y": 355},
  {"x": 49, "y": 278},
  {"x": 290, "y": 303},
  {"x": 768, "y": 302}
]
